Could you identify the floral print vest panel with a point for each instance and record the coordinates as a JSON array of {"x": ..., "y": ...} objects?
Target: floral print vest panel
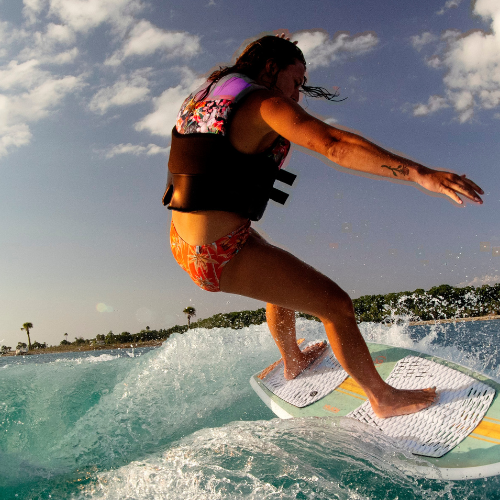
[{"x": 212, "y": 115}]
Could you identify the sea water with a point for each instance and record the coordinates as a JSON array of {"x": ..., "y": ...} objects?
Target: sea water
[{"x": 181, "y": 422}]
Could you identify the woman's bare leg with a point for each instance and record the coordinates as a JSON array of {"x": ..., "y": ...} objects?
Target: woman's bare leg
[
  {"x": 265, "y": 272},
  {"x": 281, "y": 322}
]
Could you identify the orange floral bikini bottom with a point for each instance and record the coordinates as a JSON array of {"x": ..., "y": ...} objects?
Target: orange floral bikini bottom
[{"x": 204, "y": 263}]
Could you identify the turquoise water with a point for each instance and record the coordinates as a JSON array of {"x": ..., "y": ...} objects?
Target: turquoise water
[{"x": 181, "y": 422}]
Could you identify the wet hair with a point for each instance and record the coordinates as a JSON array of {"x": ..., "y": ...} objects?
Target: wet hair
[{"x": 254, "y": 58}]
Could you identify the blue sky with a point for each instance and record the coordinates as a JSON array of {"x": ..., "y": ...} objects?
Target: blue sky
[{"x": 89, "y": 90}]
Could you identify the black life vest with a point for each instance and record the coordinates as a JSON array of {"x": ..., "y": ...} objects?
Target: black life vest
[{"x": 206, "y": 172}]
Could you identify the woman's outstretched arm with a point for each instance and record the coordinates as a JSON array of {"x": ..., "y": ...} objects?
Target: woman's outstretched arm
[{"x": 285, "y": 116}]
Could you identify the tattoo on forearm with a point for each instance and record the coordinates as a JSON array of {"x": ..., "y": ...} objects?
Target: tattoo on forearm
[{"x": 400, "y": 169}]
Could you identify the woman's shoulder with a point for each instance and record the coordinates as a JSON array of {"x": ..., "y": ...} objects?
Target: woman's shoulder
[
  {"x": 232, "y": 87},
  {"x": 209, "y": 107}
]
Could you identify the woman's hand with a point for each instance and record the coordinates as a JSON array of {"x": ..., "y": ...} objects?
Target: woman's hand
[
  {"x": 287, "y": 38},
  {"x": 449, "y": 184}
]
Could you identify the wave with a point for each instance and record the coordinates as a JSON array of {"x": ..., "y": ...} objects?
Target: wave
[{"x": 181, "y": 421}]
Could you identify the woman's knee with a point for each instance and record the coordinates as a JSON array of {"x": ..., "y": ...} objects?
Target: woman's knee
[
  {"x": 278, "y": 310},
  {"x": 337, "y": 303}
]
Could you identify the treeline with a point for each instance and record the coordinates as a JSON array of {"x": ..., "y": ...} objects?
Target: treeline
[
  {"x": 22, "y": 345},
  {"x": 234, "y": 320},
  {"x": 440, "y": 302},
  {"x": 145, "y": 335}
]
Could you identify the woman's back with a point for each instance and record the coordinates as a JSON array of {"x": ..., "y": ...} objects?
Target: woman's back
[{"x": 230, "y": 108}]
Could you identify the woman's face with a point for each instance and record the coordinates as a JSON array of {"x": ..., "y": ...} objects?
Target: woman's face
[{"x": 290, "y": 80}]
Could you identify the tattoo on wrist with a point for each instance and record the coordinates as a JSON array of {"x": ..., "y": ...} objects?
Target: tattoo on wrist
[{"x": 399, "y": 169}]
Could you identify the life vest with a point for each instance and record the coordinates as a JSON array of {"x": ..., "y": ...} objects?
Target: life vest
[{"x": 205, "y": 172}]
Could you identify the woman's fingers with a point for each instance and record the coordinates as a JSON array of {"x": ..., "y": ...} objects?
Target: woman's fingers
[
  {"x": 287, "y": 38},
  {"x": 473, "y": 184},
  {"x": 461, "y": 185},
  {"x": 468, "y": 188},
  {"x": 452, "y": 185},
  {"x": 449, "y": 192}
]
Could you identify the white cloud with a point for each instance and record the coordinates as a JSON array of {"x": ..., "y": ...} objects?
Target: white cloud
[
  {"x": 463, "y": 102},
  {"x": 123, "y": 93},
  {"x": 145, "y": 39},
  {"x": 449, "y": 5},
  {"x": 419, "y": 41},
  {"x": 479, "y": 281},
  {"x": 450, "y": 35},
  {"x": 17, "y": 111},
  {"x": 84, "y": 15},
  {"x": 136, "y": 150},
  {"x": 4, "y": 28},
  {"x": 45, "y": 57},
  {"x": 74, "y": 16},
  {"x": 50, "y": 46},
  {"x": 472, "y": 62},
  {"x": 65, "y": 57},
  {"x": 12, "y": 136},
  {"x": 32, "y": 9},
  {"x": 57, "y": 33},
  {"x": 21, "y": 76},
  {"x": 32, "y": 86},
  {"x": 28, "y": 90},
  {"x": 9, "y": 37},
  {"x": 434, "y": 104},
  {"x": 490, "y": 99},
  {"x": 433, "y": 62},
  {"x": 37, "y": 103},
  {"x": 167, "y": 105},
  {"x": 319, "y": 50}
]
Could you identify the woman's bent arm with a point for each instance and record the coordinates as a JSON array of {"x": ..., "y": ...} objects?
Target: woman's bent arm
[{"x": 352, "y": 151}]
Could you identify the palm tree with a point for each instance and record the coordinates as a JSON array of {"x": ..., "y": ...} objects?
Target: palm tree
[
  {"x": 27, "y": 327},
  {"x": 189, "y": 312}
]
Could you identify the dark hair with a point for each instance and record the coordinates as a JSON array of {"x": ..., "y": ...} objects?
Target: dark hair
[{"x": 254, "y": 58}]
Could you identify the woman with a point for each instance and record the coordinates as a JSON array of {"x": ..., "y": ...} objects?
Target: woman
[{"x": 229, "y": 143}]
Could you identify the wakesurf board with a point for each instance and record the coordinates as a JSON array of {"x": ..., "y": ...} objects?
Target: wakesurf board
[{"x": 459, "y": 434}]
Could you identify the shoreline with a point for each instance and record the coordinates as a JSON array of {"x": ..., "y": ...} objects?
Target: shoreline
[
  {"x": 85, "y": 348},
  {"x": 158, "y": 343},
  {"x": 455, "y": 320}
]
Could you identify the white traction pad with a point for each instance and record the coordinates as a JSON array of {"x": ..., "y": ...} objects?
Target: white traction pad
[
  {"x": 320, "y": 378},
  {"x": 463, "y": 402}
]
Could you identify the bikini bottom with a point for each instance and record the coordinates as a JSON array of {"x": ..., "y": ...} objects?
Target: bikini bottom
[{"x": 204, "y": 263}]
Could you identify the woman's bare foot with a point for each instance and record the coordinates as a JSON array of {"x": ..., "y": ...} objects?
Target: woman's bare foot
[
  {"x": 397, "y": 402},
  {"x": 295, "y": 366}
]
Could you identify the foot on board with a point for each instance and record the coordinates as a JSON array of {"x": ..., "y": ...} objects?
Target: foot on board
[
  {"x": 403, "y": 402},
  {"x": 295, "y": 367}
]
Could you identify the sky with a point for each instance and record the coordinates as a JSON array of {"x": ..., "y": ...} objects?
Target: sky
[{"x": 89, "y": 91}]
